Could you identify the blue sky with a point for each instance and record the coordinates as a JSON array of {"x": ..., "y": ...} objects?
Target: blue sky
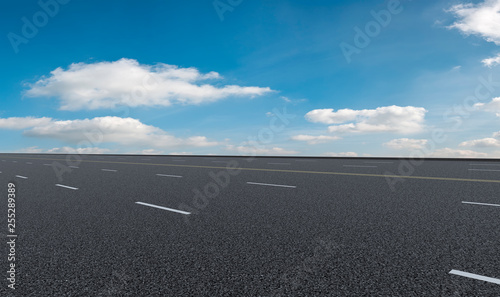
[{"x": 244, "y": 77}]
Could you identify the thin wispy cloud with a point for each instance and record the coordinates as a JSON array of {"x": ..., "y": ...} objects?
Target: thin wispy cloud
[
  {"x": 312, "y": 139},
  {"x": 406, "y": 144}
]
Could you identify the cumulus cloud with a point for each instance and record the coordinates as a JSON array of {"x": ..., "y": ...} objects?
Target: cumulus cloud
[
  {"x": 493, "y": 61},
  {"x": 122, "y": 131},
  {"x": 343, "y": 154},
  {"x": 492, "y": 106},
  {"x": 65, "y": 150},
  {"x": 493, "y": 141},
  {"x": 393, "y": 119},
  {"x": 455, "y": 153},
  {"x": 126, "y": 82},
  {"x": 259, "y": 151},
  {"x": 484, "y": 142},
  {"x": 16, "y": 123},
  {"x": 181, "y": 153},
  {"x": 481, "y": 19},
  {"x": 311, "y": 139},
  {"x": 406, "y": 143}
]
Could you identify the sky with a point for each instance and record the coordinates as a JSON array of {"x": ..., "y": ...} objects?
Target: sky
[{"x": 238, "y": 77}]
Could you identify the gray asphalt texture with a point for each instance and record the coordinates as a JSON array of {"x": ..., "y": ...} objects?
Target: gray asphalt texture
[{"x": 331, "y": 235}]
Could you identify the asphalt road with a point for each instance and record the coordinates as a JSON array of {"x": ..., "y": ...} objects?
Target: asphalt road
[{"x": 229, "y": 226}]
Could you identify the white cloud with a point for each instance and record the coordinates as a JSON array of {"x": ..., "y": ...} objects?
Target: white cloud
[
  {"x": 123, "y": 131},
  {"x": 454, "y": 153},
  {"x": 492, "y": 106},
  {"x": 314, "y": 139},
  {"x": 344, "y": 154},
  {"x": 406, "y": 143},
  {"x": 481, "y": 19},
  {"x": 65, "y": 150},
  {"x": 126, "y": 82},
  {"x": 31, "y": 150},
  {"x": 181, "y": 153},
  {"x": 484, "y": 142},
  {"x": 151, "y": 152},
  {"x": 394, "y": 119},
  {"x": 250, "y": 150},
  {"x": 493, "y": 61},
  {"x": 15, "y": 123},
  {"x": 80, "y": 150}
]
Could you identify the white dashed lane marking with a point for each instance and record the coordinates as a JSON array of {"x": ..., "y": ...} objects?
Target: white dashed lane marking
[
  {"x": 67, "y": 187},
  {"x": 168, "y": 175},
  {"x": 164, "y": 208},
  {"x": 478, "y": 203},
  {"x": 475, "y": 276},
  {"x": 271, "y": 185}
]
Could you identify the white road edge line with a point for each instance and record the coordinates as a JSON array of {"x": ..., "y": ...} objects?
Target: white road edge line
[
  {"x": 486, "y": 164},
  {"x": 112, "y": 170},
  {"x": 475, "y": 276},
  {"x": 484, "y": 169},
  {"x": 375, "y": 162},
  {"x": 20, "y": 176},
  {"x": 74, "y": 167},
  {"x": 279, "y": 163},
  {"x": 164, "y": 208},
  {"x": 370, "y": 166},
  {"x": 67, "y": 187},
  {"x": 272, "y": 185},
  {"x": 168, "y": 175},
  {"x": 478, "y": 203}
]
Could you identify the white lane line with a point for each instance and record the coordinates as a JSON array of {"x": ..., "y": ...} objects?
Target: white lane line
[
  {"x": 110, "y": 170},
  {"x": 478, "y": 203},
  {"x": 220, "y": 161},
  {"x": 306, "y": 160},
  {"x": 20, "y": 176},
  {"x": 475, "y": 276},
  {"x": 3, "y": 160},
  {"x": 74, "y": 167},
  {"x": 486, "y": 164},
  {"x": 47, "y": 164},
  {"x": 484, "y": 170},
  {"x": 272, "y": 185},
  {"x": 365, "y": 166},
  {"x": 29, "y": 163},
  {"x": 14, "y": 161},
  {"x": 164, "y": 208},
  {"x": 67, "y": 187},
  {"x": 376, "y": 162},
  {"x": 179, "y": 160},
  {"x": 279, "y": 163},
  {"x": 168, "y": 175}
]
